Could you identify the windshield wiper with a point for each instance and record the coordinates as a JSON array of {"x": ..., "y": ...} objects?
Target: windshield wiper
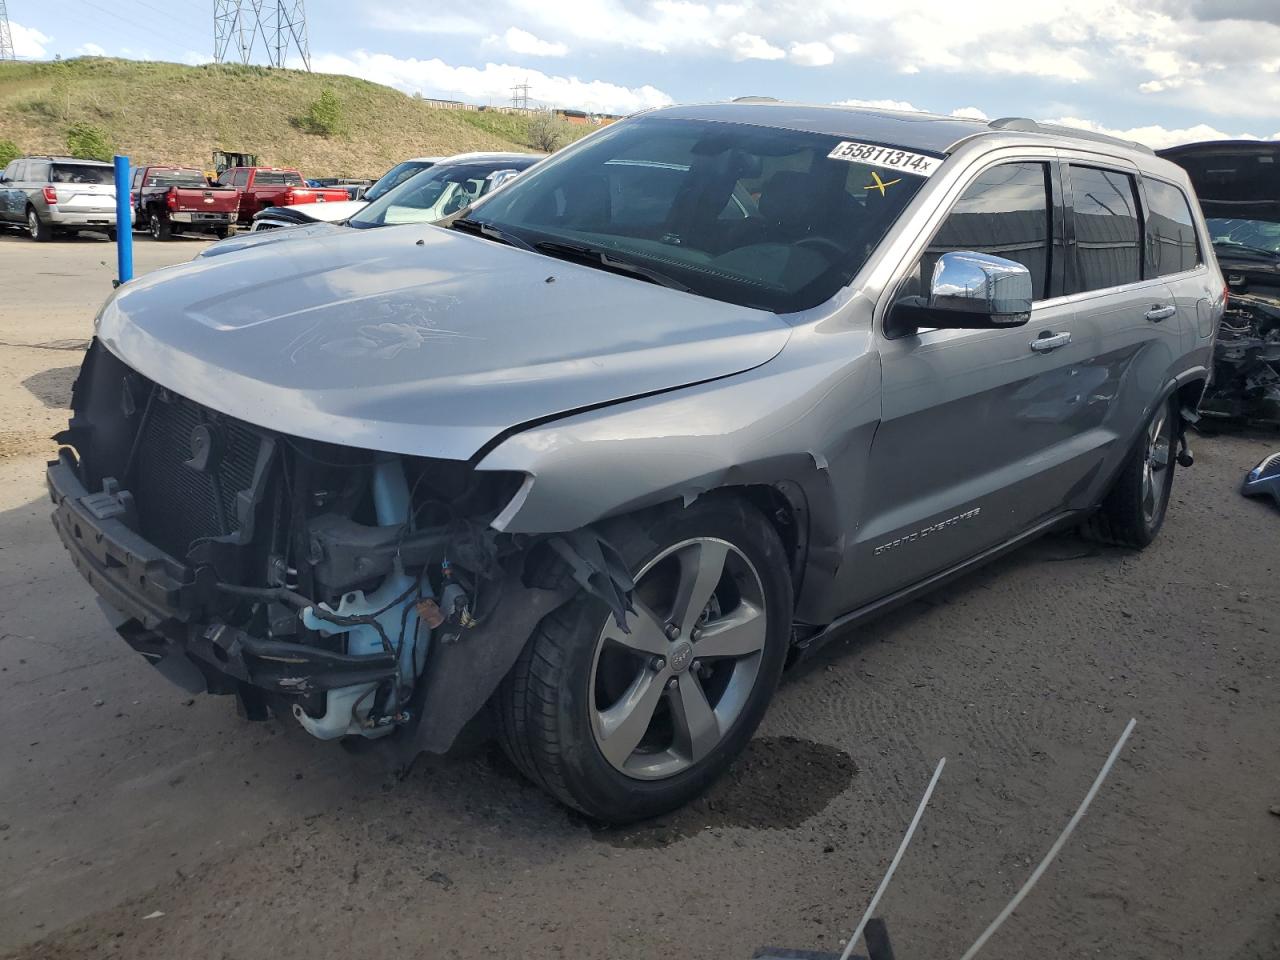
[
  {"x": 594, "y": 256},
  {"x": 1235, "y": 246},
  {"x": 490, "y": 232}
]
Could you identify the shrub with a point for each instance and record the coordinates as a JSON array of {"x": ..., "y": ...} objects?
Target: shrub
[
  {"x": 324, "y": 116},
  {"x": 8, "y": 151},
  {"x": 87, "y": 142},
  {"x": 547, "y": 132}
]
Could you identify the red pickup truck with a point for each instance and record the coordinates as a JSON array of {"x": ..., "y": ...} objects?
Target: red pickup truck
[
  {"x": 262, "y": 187},
  {"x": 167, "y": 199}
]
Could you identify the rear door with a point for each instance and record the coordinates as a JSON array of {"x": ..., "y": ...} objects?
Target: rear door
[
  {"x": 1129, "y": 311},
  {"x": 980, "y": 432},
  {"x": 1176, "y": 256}
]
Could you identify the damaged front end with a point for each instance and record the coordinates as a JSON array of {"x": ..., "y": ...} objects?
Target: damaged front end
[
  {"x": 1246, "y": 361},
  {"x": 359, "y": 592}
]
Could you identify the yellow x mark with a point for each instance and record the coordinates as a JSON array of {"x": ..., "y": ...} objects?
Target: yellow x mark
[{"x": 880, "y": 184}]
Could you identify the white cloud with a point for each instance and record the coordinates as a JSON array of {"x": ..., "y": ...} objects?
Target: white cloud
[
  {"x": 901, "y": 105},
  {"x": 90, "y": 50},
  {"x": 522, "y": 41},
  {"x": 28, "y": 42},
  {"x": 195, "y": 59},
  {"x": 749, "y": 46},
  {"x": 490, "y": 83},
  {"x": 1158, "y": 137},
  {"x": 814, "y": 54},
  {"x": 846, "y": 43},
  {"x": 969, "y": 113}
]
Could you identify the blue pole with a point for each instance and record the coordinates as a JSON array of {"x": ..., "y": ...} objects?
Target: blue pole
[{"x": 124, "y": 223}]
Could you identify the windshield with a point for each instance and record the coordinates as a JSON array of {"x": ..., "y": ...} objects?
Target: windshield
[
  {"x": 1244, "y": 236},
  {"x": 1239, "y": 192},
  {"x": 430, "y": 195},
  {"x": 751, "y": 215},
  {"x": 81, "y": 173},
  {"x": 176, "y": 178},
  {"x": 396, "y": 176}
]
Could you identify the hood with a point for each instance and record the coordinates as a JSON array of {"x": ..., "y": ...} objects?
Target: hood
[
  {"x": 330, "y": 211},
  {"x": 418, "y": 339},
  {"x": 262, "y": 238}
]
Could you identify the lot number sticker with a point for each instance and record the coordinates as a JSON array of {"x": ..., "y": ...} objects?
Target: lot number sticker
[{"x": 869, "y": 153}]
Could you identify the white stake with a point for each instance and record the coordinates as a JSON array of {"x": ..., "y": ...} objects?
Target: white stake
[
  {"x": 1053, "y": 851},
  {"x": 902, "y": 848}
]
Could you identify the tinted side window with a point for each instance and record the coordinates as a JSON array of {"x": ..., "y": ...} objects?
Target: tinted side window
[
  {"x": 11, "y": 171},
  {"x": 37, "y": 170},
  {"x": 1171, "y": 232},
  {"x": 1006, "y": 212},
  {"x": 1108, "y": 238}
]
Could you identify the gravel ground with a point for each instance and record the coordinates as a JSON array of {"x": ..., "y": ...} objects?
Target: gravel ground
[{"x": 120, "y": 798}]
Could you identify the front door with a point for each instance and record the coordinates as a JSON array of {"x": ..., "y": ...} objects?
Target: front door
[{"x": 982, "y": 432}]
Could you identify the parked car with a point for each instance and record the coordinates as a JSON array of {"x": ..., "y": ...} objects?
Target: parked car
[
  {"x": 274, "y": 217},
  {"x": 262, "y": 187},
  {"x": 53, "y": 195},
  {"x": 455, "y": 181},
  {"x": 169, "y": 199},
  {"x": 615, "y": 445},
  {"x": 1238, "y": 183}
]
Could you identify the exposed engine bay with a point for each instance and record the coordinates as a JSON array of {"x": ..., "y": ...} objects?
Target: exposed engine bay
[
  {"x": 1246, "y": 362},
  {"x": 303, "y": 577}
]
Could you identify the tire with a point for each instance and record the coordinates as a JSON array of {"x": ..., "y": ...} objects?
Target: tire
[
  {"x": 1134, "y": 509},
  {"x": 111, "y": 236},
  {"x": 37, "y": 229},
  {"x": 578, "y": 696},
  {"x": 222, "y": 233},
  {"x": 160, "y": 227}
]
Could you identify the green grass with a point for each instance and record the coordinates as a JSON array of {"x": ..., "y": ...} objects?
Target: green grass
[{"x": 167, "y": 112}]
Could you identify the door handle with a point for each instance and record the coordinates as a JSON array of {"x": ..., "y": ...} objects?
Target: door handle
[
  {"x": 1050, "y": 341},
  {"x": 1160, "y": 312}
]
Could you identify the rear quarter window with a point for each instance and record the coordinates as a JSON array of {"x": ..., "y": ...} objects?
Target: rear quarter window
[{"x": 1172, "y": 246}]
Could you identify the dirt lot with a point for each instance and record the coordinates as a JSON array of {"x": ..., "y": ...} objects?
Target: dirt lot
[{"x": 137, "y": 823}]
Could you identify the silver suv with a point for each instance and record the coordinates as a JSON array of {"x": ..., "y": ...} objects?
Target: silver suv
[
  {"x": 52, "y": 195},
  {"x": 616, "y": 443}
]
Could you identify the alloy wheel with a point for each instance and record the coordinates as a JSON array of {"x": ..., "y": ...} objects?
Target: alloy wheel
[
  {"x": 1155, "y": 464},
  {"x": 33, "y": 224},
  {"x": 664, "y": 694}
]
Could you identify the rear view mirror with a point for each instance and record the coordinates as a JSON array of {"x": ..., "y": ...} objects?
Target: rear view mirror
[
  {"x": 970, "y": 291},
  {"x": 499, "y": 177}
]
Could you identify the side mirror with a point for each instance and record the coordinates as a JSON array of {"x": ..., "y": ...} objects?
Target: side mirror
[
  {"x": 970, "y": 291},
  {"x": 499, "y": 177}
]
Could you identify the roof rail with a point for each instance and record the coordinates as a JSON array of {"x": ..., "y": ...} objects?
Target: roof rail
[
  {"x": 1025, "y": 125},
  {"x": 754, "y": 99}
]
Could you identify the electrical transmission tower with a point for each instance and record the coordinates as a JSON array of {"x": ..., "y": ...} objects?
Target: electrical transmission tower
[
  {"x": 520, "y": 96},
  {"x": 6, "y": 36},
  {"x": 278, "y": 27}
]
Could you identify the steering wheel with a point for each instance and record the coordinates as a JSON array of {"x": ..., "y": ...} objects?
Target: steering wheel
[{"x": 830, "y": 248}]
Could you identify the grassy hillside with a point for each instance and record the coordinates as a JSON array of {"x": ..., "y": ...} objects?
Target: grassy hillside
[{"x": 174, "y": 113}]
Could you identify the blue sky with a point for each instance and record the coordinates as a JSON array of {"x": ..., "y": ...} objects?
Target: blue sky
[{"x": 1173, "y": 71}]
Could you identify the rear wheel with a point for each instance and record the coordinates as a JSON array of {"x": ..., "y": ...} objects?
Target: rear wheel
[
  {"x": 627, "y": 725},
  {"x": 39, "y": 231},
  {"x": 1134, "y": 509},
  {"x": 160, "y": 227},
  {"x": 111, "y": 236},
  {"x": 222, "y": 232}
]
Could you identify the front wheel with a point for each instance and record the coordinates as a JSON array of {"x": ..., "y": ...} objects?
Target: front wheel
[
  {"x": 1134, "y": 509},
  {"x": 627, "y": 725}
]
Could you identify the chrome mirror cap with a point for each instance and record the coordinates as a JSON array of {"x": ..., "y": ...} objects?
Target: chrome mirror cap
[{"x": 968, "y": 282}]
